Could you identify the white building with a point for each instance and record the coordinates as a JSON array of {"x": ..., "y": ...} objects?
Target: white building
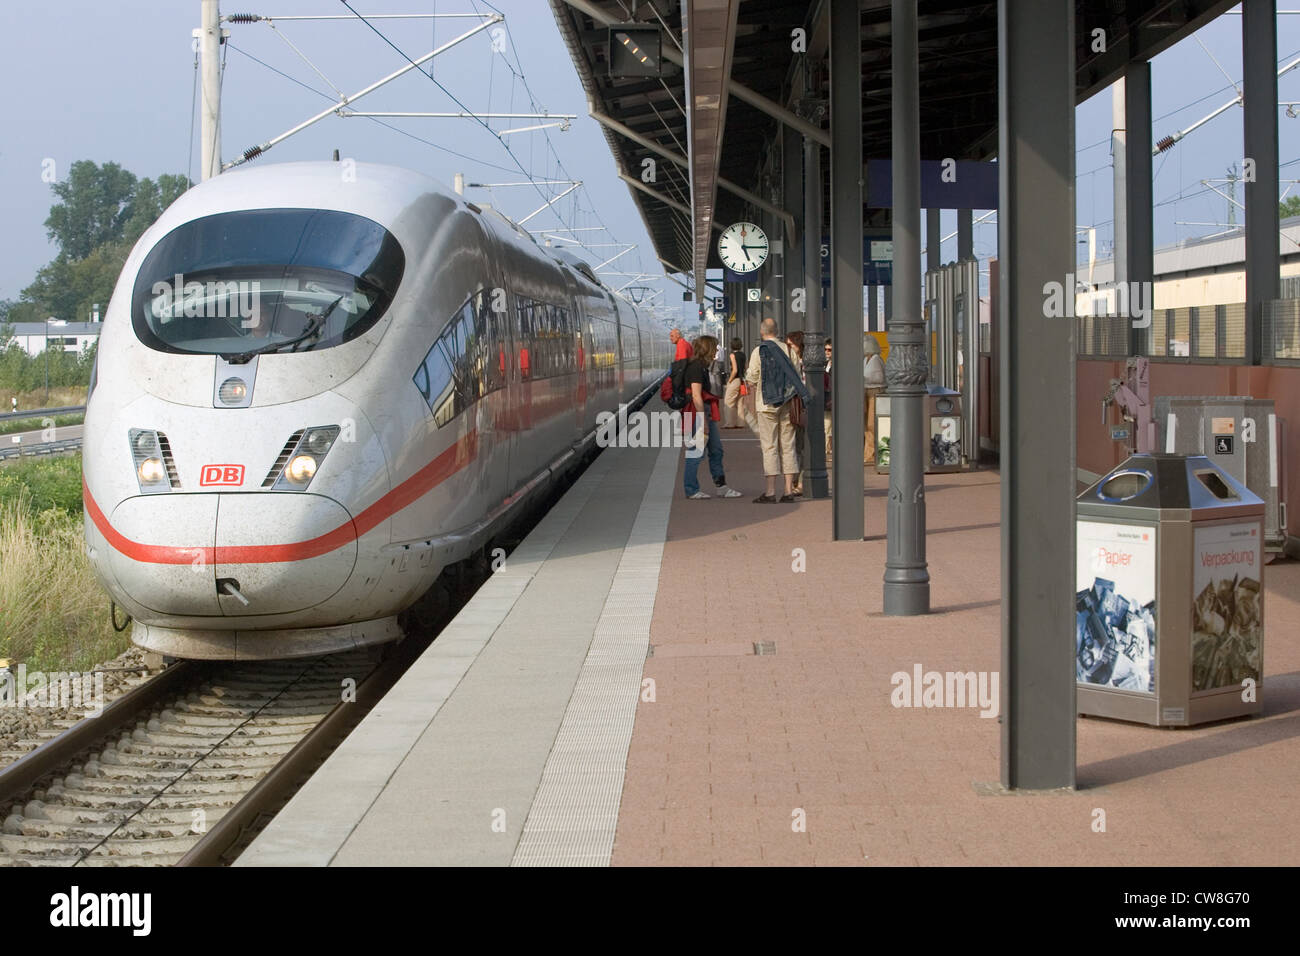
[{"x": 70, "y": 336}]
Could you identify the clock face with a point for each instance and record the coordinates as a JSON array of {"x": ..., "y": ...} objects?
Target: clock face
[{"x": 742, "y": 247}]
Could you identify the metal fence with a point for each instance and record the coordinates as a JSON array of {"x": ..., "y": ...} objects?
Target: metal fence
[{"x": 41, "y": 413}]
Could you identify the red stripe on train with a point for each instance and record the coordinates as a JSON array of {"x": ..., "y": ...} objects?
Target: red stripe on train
[{"x": 411, "y": 490}]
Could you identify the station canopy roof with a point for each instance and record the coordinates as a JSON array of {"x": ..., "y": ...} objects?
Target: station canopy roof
[{"x": 725, "y": 151}]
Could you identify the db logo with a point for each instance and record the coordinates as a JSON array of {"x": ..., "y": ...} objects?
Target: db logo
[{"x": 221, "y": 475}]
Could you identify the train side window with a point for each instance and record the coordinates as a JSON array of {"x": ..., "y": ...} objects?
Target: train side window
[
  {"x": 492, "y": 344},
  {"x": 421, "y": 380},
  {"x": 448, "y": 378},
  {"x": 529, "y": 357},
  {"x": 465, "y": 361}
]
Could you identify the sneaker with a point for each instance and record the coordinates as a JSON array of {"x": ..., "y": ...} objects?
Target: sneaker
[
  {"x": 726, "y": 491},
  {"x": 698, "y": 496}
]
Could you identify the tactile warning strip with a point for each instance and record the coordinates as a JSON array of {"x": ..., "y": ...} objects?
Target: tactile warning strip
[{"x": 575, "y": 810}]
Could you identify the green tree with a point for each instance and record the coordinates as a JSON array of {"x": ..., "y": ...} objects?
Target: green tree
[
  {"x": 1289, "y": 207},
  {"x": 92, "y": 208},
  {"x": 68, "y": 290},
  {"x": 149, "y": 201}
]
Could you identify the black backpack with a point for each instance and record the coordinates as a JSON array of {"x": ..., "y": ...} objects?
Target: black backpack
[{"x": 677, "y": 376}]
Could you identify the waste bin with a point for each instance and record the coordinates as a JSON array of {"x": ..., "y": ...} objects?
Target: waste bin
[
  {"x": 943, "y": 449},
  {"x": 1240, "y": 434},
  {"x": 1169, "y": 593}
]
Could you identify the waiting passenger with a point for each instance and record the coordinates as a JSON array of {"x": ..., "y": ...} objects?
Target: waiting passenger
[
  {"x": 826, "y": 399},
  {"x": 681, "y": 346},
  {"x": 699, "y": 421},
  {"x": 873, "y": 375},
  {"x": 798, "y": 411},
  {"x": 736, "y": 388},
  {"x": 771, "y": 371}
]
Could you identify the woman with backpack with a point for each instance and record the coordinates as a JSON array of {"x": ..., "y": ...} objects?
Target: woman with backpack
[
  {"x": 700, "y": 423},
  {"x": 776, "y": 382}
]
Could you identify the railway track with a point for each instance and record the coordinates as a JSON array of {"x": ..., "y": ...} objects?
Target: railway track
[
  {"x": 182, "y": 765},
  {"x": 185, "y": 768}
]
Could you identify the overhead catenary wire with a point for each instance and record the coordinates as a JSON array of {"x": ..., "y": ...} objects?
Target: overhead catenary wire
[{"x": 388, "y": 126}]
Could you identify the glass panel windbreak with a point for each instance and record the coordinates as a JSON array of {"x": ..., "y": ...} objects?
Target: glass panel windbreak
[
  {"x": 1157, "y": 335},
  {"x": 1180, "y": 337},
  {"x": 1282, "y": 330},
  {"x": 1233, "y": 330},
  {"x": 1204, "y": 338},
  {"x": 1205, "y": 332}
]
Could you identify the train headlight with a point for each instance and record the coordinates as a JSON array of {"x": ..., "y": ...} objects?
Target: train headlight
[
  {"x": 301, "y": 459},
  {"x": 301, "y": 469},
  {"x": 151, "y": 454},
  {"x": 318, "y": 441},
  {"x": 233, "y": 391},
  {"x": 151, "y": 471}
]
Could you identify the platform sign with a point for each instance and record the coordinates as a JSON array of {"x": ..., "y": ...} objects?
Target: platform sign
[
  {"x": 1120, "y": 433},
  {"x": 877, "y": 260},
  {"x": 1115, "y": 606},
  {"x": 1227, "y": 604},
  {"x": 719, "y": 303}
]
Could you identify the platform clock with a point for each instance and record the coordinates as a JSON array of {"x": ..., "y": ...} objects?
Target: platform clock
[{"x": 742, "y": 247}]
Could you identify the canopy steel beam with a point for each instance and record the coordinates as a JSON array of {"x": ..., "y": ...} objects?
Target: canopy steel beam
[
  {"x": 738, "y": 90},
  {"x": 677, "y": 158}
]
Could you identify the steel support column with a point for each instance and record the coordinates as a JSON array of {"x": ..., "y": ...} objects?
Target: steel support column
[
  {"x": 907, "y": 580},
  {"x": 1138, "y": 252},
  {"x": 873, "y": 309},
  {"x": 933, "y": 237},
  {"x": 1259, "y": 127},
  {"x": 965, "y": 235},
  {"x": 846, "y": 269},
  {"x": 1036, "y": 246},
  {"x": 772, "y": 273},
  {"x": 803, "y": 186}
]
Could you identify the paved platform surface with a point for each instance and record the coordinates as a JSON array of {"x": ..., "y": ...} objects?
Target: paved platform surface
[
  {"x": 799, "y": 757},
  {"x": 504, "y": 743},
  {"x": 512, "y": 740}
]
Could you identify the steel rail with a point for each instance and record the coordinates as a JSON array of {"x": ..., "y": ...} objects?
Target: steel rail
[{"x": 21, "y": 775}]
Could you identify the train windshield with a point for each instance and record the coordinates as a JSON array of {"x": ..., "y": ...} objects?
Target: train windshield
[{"x": 239, "y": 284}]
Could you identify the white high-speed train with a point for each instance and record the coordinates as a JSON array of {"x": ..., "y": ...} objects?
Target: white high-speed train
[{"x": 318, "y": 385}]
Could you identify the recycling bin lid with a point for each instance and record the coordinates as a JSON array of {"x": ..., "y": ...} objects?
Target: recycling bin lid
[{"x": 1163, "y": 482}]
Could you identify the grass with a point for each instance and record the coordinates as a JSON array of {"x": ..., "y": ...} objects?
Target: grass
[
  {"x": 43, "y": 484},
  {"x": 35, "y": 424},
  {"x": 53, "y": 613},
  {"x": 59, "y": 398}
]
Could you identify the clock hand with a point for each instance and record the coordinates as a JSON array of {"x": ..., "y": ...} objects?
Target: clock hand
[{"x": 745, "y": 250}]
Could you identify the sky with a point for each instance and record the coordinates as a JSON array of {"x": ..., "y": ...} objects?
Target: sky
[
  {"x": 125, "y": 94},
  {"x": 115, "y": 81}
]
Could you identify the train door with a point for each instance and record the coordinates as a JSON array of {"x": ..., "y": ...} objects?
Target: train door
[{"x": 495, "y": 436}]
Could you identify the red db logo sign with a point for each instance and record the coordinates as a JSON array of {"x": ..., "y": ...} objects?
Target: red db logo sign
[{"x": 221, "y": 475}]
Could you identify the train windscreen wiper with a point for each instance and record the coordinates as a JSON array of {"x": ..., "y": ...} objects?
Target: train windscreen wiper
[{"x": 313, "y": 327}]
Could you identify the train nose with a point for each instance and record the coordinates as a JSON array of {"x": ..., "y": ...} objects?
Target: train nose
[{"x": 233, "y": 555}]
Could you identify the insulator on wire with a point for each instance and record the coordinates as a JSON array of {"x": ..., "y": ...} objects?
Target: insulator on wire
[
  {"x": 243, "y": 18},
  {"x": 252, "y": 153},
  {"x": 1164, "y": 143}
]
